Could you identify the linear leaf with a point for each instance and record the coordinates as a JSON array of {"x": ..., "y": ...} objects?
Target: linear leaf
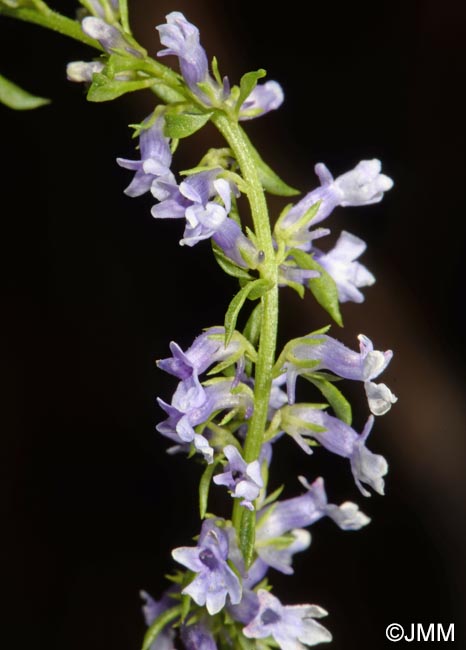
[
  {"x": 251, "y": 290},
  {"x": 17, "y": 98},
  {"x": 323, "y": 288},
  {"x": 334, "y": 396},
  {"x": 204, "y": 487}
]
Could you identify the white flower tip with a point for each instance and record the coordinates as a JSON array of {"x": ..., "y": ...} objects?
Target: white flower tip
[
  {"x": 379, "y": 397},
  {"x": 95, "y": 27}
]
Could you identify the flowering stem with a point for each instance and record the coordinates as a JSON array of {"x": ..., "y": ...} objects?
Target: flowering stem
[
  {"x": 243, "y": 519},
  {"x": 46, "y": 17}
]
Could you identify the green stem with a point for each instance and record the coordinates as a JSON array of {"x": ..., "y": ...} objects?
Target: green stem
[
  {"x": 52, "y": 20},
  {"x": 243, "y": 519}
]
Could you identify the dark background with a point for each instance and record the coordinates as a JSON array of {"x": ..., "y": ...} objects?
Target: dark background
[{"x": 95, "y": 290}]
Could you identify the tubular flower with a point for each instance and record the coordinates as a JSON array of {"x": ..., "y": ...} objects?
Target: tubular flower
[
  {"x": 108, "y": 36},
  {"x": 323, "y": 352},
  {"x": 214, "y": 580},
  {"x": 242, "y": 479},
  {"x": 348, "y": 274},
  {"x": 363, "y": 185},
  {"x": 301, "y": 421},
  {"x": 192, "y": 404},
  {"x": 181, "y": 39},
  {"x": 292, "y": 627},
  {"x": 155, "y": 159},
  {"x": 287, "y": 518}
]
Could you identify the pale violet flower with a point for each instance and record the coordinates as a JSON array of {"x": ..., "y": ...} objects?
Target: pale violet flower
[
  {"x": 207, "y": 348},
  {"x": 323, "y": 352},
  {"x": 192, "y": 200},
  {"x": 290, "y": 516},
  {"x": 242, "y": 479},
  {"x": 181, "y": 39},
  {"x": 192, "y": 404},
  {"x": 155, "y": 159},
  {"x": 302, "y": 420},
  {"x": 348, "y": 274},
  {"x": 264, "y": 98},
  {"x": 363, "y": 185},
  {"x": 292, "y": 627},
  {"x": 204, "y": 200},
  {"x": 305, "y": 510},
  {"x": 214, "y": 580},
  {"x": 108, "y": 36}
]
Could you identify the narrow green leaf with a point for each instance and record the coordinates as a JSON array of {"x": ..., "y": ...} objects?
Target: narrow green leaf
[
  {"x": 333, "y": 395},
  {"x": 269, "y": 179},
  {"x": 204, "y": 487},
  {"x": 251, "y": 290},
  {"x": 158, "y": 625},
  {"x": 181, "y": 125},
  {"x": 123, "y": 6},
  {"x": 227, "y": 265},
  {"x": 323, "y": 288},
  {"x": 273, "y": 497},
  {"x": 17, "y": 98},
  {"x": 246, "y": 535},
  {"x": 247, "y": 84},
  {"x": 104, "y": 89},
  {"x": 253, "y": 326},
  {"x": 185, "y": 606}
]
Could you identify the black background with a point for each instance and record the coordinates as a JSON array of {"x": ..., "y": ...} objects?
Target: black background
[{"x": 95, "y": 290}]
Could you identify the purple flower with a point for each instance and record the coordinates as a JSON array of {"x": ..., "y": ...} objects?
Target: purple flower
[
  {"x": 214, "y": 580},
  {"x": 207, "y": 349},
  {"x": 325, "y": 352},
  {"x": 193, "y": 201},
  {"x": 155, "y": 159},
  {"x": 290, "y": 274},
  {"x": 362, "y": 185},
  {"x": 290, "y": 626},
  {"x": 242, "y": 479},
  {"x": 305, "y": 510},
  {"x": 287, "y": 518},
  {"x": 192, "y": 404},
  {"x": 181, "y": 39},
  {"x": 264, "y": 98},
  {"x": 151, "y": 610},
  {"x": 340, "y": 263},
  {"x": 302, "y": 420},
  {"x": 197, "y": 637},
  {"x": 108, "y": 36},
  {"x": 235, "y": 245},
  {"x": 83, "y": 71}
]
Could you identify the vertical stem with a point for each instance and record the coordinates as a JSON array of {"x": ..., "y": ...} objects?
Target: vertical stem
[{"x": 243, "y": 519}]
